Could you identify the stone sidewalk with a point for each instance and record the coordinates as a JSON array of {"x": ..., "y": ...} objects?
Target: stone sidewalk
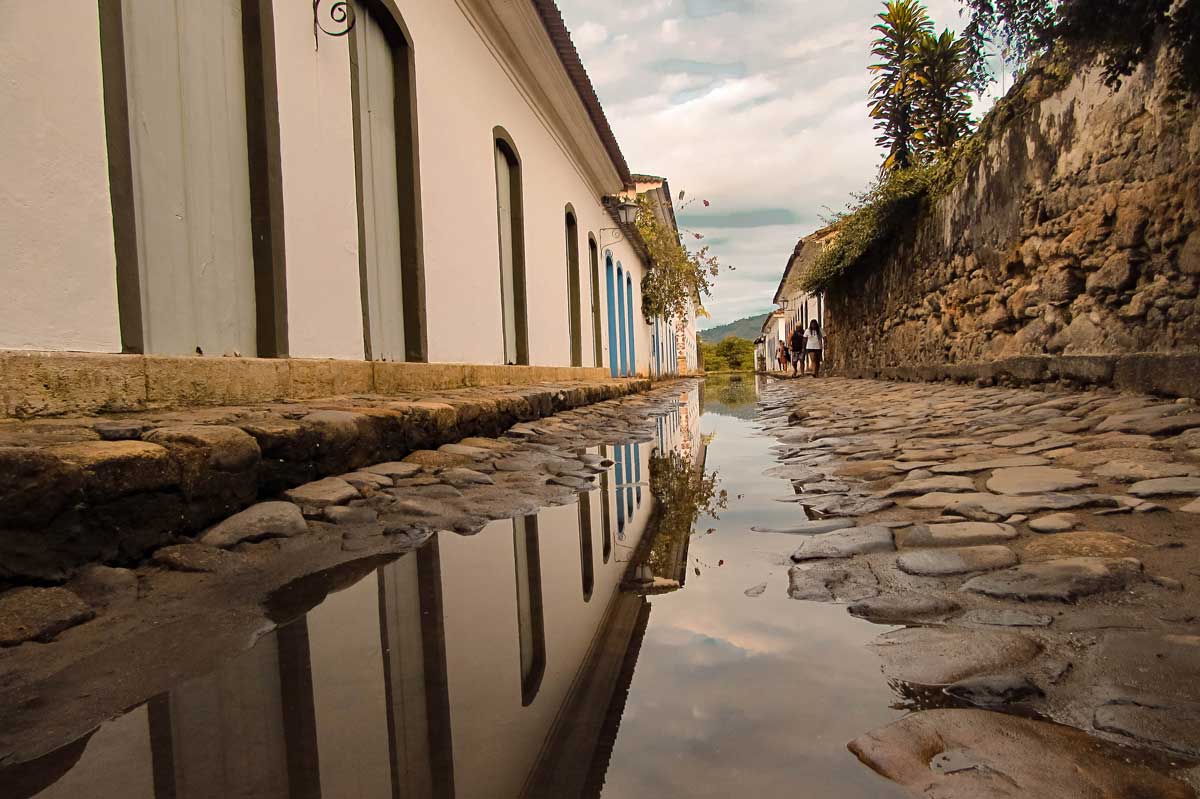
[
  {"x": 1039, "y": 550},
  {"x": 112, "y": 488}
]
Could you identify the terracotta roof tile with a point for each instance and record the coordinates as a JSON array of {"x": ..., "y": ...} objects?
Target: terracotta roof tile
[{"x": 561, "y": 39}]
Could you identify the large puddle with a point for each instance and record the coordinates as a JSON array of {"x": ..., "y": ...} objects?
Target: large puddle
[{"x": 513, "y": 663}]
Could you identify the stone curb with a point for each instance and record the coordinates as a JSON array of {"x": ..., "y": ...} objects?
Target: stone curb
[
  {"x": 36, "y": 384},
  {"x": 1164, "y": 374},
  {"x": 112, "y": 501}
]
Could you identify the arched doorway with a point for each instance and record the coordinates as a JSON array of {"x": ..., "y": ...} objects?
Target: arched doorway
[
  {"x": 629, "y": 306},
  {"x": 612, "y": 315},
  {"x": 594, "y": 264},
  {"x": 621, "y": 322}
]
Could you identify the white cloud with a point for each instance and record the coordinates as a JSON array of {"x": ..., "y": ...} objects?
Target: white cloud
[{"x": 589, "y": 35}]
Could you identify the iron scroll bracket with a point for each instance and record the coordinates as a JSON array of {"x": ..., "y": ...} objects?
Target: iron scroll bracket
[{"x": 338, "y": 19}]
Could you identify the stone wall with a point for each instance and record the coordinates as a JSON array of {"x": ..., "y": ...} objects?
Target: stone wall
[{"x": 1077, "y": 234}]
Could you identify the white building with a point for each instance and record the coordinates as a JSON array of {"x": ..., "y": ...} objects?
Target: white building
[
  {"x": 766, "y": 346},
  {"x": 797, "y": 308},
  {"x": 264, "y": 178}
]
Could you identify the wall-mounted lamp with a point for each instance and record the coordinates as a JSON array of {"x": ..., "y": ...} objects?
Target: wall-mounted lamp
[
  {"x": 626, "y": 212},
  {"x": 338, "y": 19}
]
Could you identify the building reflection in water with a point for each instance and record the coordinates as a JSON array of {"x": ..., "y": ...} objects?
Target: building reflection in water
[{"x": 474, "y": 667}]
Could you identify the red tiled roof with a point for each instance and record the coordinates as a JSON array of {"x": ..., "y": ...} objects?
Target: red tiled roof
[{"x": 556, "y": 29}]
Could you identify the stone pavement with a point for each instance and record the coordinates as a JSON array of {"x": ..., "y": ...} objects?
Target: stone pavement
[
  {"x": 1041, "y": 549},
  {"x": 110, "y": 489}
]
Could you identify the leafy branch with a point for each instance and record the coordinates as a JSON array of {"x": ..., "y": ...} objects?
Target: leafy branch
[{"x": 678, "y": 279}]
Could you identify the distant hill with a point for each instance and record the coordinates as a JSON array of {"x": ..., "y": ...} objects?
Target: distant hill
[{"x": 748, "y": 328}]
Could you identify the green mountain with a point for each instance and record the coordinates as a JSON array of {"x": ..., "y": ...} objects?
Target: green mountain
[{"x": 749, "y": 328}]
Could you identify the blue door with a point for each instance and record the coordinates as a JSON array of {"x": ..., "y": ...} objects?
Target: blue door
[
  {"x": 629, "y": 301},
  {"x": 621, "y": 318},
  {"x": 612, "y": 316}
]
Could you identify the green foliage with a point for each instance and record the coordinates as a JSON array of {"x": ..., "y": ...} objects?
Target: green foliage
[
  {"x": 1121, "y": 33},
  {"x": 678, "y": 277},
  {"x": 941, "y": 92},
  {"x": 902, "y": 26},
  {"x": 730, "y": 395},
  {"x": 683, "y": 493},
  {"x": 1018, "y": 28},
  {"x": 730, "y": 355},
  {"x": 871, "y": 223}
]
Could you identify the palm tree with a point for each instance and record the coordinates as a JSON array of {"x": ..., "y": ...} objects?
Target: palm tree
[
  {"x": 902, "y": 25},
  {"x": 941, "y": 92}
]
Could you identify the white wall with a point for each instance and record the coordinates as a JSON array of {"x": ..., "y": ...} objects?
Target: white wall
[
  {"x": 58, "y": 270},
  {"x": 316, "y": 140},
  {"x": 463, "y": 92},
  {"x": 56, "y": 221}
]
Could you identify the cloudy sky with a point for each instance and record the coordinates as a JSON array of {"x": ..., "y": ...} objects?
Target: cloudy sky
[{"x": 756, "y": 105}]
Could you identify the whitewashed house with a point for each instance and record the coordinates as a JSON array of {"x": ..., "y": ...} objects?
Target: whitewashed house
[
  {"x": 797, "y": 308},
  {"x": 381, "y": 180}
]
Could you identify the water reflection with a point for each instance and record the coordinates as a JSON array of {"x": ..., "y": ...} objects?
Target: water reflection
[
  {"x": 732, "y": 395},
  {"x": 494, "y": 665}
]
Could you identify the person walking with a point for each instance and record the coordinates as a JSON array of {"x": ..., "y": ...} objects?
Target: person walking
[
  {"x": 781, "y": 356},
  {"x": 797, "y": 346},
  {"x": 814, "y": 346}
]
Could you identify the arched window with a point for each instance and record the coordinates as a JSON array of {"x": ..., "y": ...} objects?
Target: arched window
[
  {"x": 574, "y": 312},
  {"x": 510, "y": 216},
  {"x": 605, "y": 513},
  {"x": 530, "y": 626},
  {"x": 389, "y": 251},
  {"x": 612, "y": 315},
  {"x": 637, "y": 471},
  {"x": 621, "y": 320},
  {"x": 619, "y": 457},
  {"x": 587, "y": 568},
  {"x": 629, "y": 480},
  {"x": 594, "y": 264}
]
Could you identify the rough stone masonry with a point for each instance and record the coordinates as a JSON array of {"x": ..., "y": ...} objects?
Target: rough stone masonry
[{"x": 1073, "y": 244}]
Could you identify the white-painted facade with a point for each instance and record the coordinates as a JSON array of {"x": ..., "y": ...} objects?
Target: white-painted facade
[
  {"x": 796, "y": 308},
  {"x": 475, "y": 67}
]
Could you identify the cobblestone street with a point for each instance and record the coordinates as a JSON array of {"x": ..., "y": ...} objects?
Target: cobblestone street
[{"x": 1038, "y": 549}]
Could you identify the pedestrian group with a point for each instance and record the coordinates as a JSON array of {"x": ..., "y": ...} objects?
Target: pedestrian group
[{"x": 804, "y": 351}]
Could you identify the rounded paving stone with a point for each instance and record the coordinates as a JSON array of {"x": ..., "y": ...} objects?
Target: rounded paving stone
[
  {"x": 1080, "y": 545},
  {"x": 1036, "y": 480},
  {"x": 946, "y": 562},
  {"x": 1063, "y": 580},
  {"x": 942, "y": 655},
  {"x": 972, "y": 754},
  {"x": 845, "y": 544},
  {"x": 1167, "y": 486},
  {"x": 955, "y": 534},
  {"x": 1055, "y": 523}
]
